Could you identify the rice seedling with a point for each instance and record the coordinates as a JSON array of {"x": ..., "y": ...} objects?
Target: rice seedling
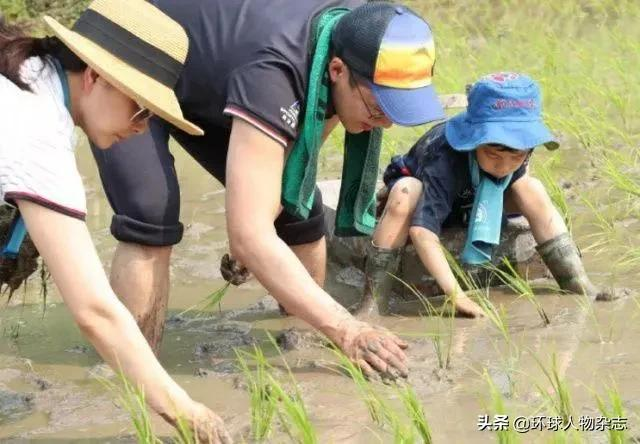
[
  {"x": 557, "y": 396},
  {"x": 262, "y": 399},
  {"x": 520, "y": 286},
  {"x": 291, "y": 408},
  {"x": 293, "y": 414},
  {"x": 615, "y": 167},
  {"x": 497, "y": 316},
  {"x": 557, "y": 194},
  {"x": 444, "y": 327},
  {"x": 13, "y": 331},
  {"x": 466, "y": 280},
  {"x": 588, "y": 308},
  {"x": 413, "y": 407},
  {"x": 215, "y": 298},
  {"x": 269, "y": 399},
  {"x": 614, "y": 411},
  {"x": 210, "y": 301},
  {"x": 380, "y": 409},
  {"x": 133, "y": 401},
  {"x": 375, "y": 404},
  {"x": 498, "y": 408}
]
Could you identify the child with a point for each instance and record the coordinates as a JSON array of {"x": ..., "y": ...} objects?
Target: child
[{"x": 475, "y": 161}]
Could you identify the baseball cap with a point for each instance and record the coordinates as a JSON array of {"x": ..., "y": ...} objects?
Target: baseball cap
[
  {"x": 503, "y": 108},
  {"x": 392, "y": 48}
]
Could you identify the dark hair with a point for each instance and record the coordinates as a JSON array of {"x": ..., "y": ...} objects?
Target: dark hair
[
  {"x": 507, "y": 149},
  {"x": 16, "y": 47}
]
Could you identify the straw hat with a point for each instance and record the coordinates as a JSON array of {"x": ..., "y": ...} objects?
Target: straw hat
[{"x": 136, "y": 48}]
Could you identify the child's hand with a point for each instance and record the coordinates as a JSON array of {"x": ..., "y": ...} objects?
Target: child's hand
[{"x": 467, "y": 308}]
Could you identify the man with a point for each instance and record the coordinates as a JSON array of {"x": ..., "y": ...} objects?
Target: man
[{"x": 245, "y": 82}]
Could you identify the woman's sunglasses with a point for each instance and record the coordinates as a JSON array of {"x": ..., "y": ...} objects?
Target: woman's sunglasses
[{"x": 141, "y": 115}]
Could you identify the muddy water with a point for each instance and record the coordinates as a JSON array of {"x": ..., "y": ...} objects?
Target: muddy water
[{"x": 51, "y": 393}]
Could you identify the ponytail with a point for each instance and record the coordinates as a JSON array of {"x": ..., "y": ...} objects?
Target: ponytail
[{"x": 16, "y": 47}]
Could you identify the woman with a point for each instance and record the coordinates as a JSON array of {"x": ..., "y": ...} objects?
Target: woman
[{"x": 107, "y": 75}]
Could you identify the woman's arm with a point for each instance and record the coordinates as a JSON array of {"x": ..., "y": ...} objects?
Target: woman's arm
[{"x": 66, "y": 247}]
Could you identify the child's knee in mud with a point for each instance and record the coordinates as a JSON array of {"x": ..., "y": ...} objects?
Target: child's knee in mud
[{"x": 403, "y": 197}]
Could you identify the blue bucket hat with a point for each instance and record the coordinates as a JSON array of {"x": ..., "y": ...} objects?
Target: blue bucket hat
[{"x": 503, "y": 108}]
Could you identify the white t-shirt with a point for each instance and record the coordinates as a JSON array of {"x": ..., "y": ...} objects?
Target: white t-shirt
[{"x": 37, "y": 143}]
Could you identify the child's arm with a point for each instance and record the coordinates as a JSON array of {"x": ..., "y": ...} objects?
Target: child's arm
[{"x": 428, "y": 247}]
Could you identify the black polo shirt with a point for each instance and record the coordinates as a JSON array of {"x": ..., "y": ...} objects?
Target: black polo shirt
[
  {"x": 248, "y": 59},
  {"x": 448, "y": 193}
]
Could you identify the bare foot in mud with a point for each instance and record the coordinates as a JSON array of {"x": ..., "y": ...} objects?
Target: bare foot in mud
[
  {"x": 465, "y": 307},
  {"x": 377, "y": 351}
]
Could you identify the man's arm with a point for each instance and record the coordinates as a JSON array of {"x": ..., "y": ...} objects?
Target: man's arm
[{"x": 255, "y": 163}]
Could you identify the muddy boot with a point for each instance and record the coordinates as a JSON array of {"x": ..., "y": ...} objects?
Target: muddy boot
[
  {"x": 563, "y": 259},
  {"x": 379, "y": 264}
]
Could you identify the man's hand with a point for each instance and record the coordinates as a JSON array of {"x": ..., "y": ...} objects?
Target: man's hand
[
  {"x": 374, "y": 349},
  {"x": 233, "y": 271}
]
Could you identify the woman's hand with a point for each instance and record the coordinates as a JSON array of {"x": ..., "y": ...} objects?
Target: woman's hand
[
  {"x": 206, "y": 426},
  {"x": 67, "y": 249}
]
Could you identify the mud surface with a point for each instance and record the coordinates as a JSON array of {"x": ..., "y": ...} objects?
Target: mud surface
[{"x": 49, "y": 391}]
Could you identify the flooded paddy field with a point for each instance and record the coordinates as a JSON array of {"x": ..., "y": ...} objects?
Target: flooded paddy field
[{"x": 584, "y": 365}]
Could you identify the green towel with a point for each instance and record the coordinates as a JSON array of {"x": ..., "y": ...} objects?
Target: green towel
[
  {"x": 485, "y": 221},
  {"x": 355, "y": 215}
]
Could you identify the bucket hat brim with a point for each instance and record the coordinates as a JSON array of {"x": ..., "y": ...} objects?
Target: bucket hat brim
[
  {"x": 409, "y": 107},
  {"x": 464, "y": 135},
  {"x": 145, "y": 90}
]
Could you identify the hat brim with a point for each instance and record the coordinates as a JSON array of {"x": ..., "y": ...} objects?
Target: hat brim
[
  {"x": 464, "y": 135},
  {"x": 145, "y": 90},
  {"x": 409, "y": 107}
]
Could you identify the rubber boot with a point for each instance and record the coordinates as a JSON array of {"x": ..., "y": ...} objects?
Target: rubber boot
[
  {"x": 563, "y": 259},
  {"x": 380, "y": 264}
]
